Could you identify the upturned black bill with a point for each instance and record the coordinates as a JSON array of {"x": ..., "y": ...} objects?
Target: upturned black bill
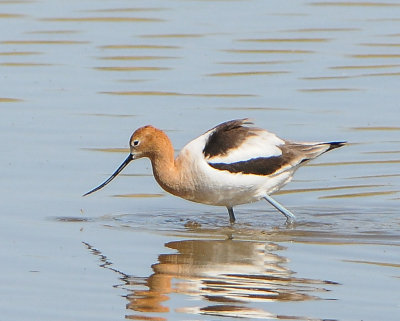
[{"x": 119, "y": 170}]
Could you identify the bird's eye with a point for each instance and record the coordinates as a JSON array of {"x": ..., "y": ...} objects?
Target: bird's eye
[{"x": 135, "y": 143}]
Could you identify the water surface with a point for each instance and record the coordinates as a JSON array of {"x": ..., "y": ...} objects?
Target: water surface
[{"x": 78, "y": 77}]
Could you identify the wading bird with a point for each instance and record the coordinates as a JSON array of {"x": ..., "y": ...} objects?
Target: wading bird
[{"x": 233, "y": 163}]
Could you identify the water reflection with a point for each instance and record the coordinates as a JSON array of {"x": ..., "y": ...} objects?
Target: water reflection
[{"x": 219, "y": 277}]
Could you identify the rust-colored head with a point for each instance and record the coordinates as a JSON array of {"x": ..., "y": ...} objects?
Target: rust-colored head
[
  {"x": 146, "y": 141},
  {"x": 150, "y": 142}
]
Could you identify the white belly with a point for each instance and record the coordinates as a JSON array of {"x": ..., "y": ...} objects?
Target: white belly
[
  {"x": 223, "y": 188},
  {"x": 205, "y": 184}
]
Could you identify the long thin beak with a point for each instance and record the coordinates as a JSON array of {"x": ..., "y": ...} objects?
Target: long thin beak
[{"x": 119, "y": 170}]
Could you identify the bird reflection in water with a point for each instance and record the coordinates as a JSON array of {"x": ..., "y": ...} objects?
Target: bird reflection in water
[{"x": 223, "y": 277}]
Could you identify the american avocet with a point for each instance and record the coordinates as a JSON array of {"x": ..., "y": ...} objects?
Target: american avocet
[{"x": 230, "y": 164}]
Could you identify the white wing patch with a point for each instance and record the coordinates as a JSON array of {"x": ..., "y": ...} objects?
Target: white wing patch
[{"x": 262, "y": 144}]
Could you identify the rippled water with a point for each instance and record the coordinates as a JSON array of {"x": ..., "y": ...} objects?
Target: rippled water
[{"x": 78, "y": 77}]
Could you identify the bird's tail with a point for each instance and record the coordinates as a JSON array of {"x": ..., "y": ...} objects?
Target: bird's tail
[
  {"x": 313, "y": 150},
  {"x": 333, "y": 145},
  {"x": 304, "y": 152}
]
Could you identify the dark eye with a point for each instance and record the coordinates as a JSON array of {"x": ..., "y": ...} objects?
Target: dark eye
[{"x": 135, "y": 143}]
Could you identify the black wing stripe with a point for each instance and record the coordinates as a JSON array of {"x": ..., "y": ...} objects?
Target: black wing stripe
[
  {"x": 225, "y": 137},
  {"x": 255, "y": 166}
]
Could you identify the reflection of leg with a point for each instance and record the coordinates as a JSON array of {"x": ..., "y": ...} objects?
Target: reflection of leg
[
  {"x": 290, "y": 218},
  {"x": 231, "y": 215}
]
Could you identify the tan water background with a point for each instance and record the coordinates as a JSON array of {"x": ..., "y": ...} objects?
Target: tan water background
[{"x": 77, "y": 77}]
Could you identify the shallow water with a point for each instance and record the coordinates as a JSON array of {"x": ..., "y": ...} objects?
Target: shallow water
[{"x": 78, "y": 77}]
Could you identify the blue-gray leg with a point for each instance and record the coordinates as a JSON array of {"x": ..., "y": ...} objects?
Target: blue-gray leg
[
  {"x": 231, "y": 215},
  {"x": 290, "y": 218}
]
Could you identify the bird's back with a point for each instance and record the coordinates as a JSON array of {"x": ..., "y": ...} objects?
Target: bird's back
[{"x": 234, "y": 163}]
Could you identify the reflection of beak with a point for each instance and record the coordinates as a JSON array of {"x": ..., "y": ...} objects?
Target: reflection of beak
[{"x": 119, "y": 170}]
